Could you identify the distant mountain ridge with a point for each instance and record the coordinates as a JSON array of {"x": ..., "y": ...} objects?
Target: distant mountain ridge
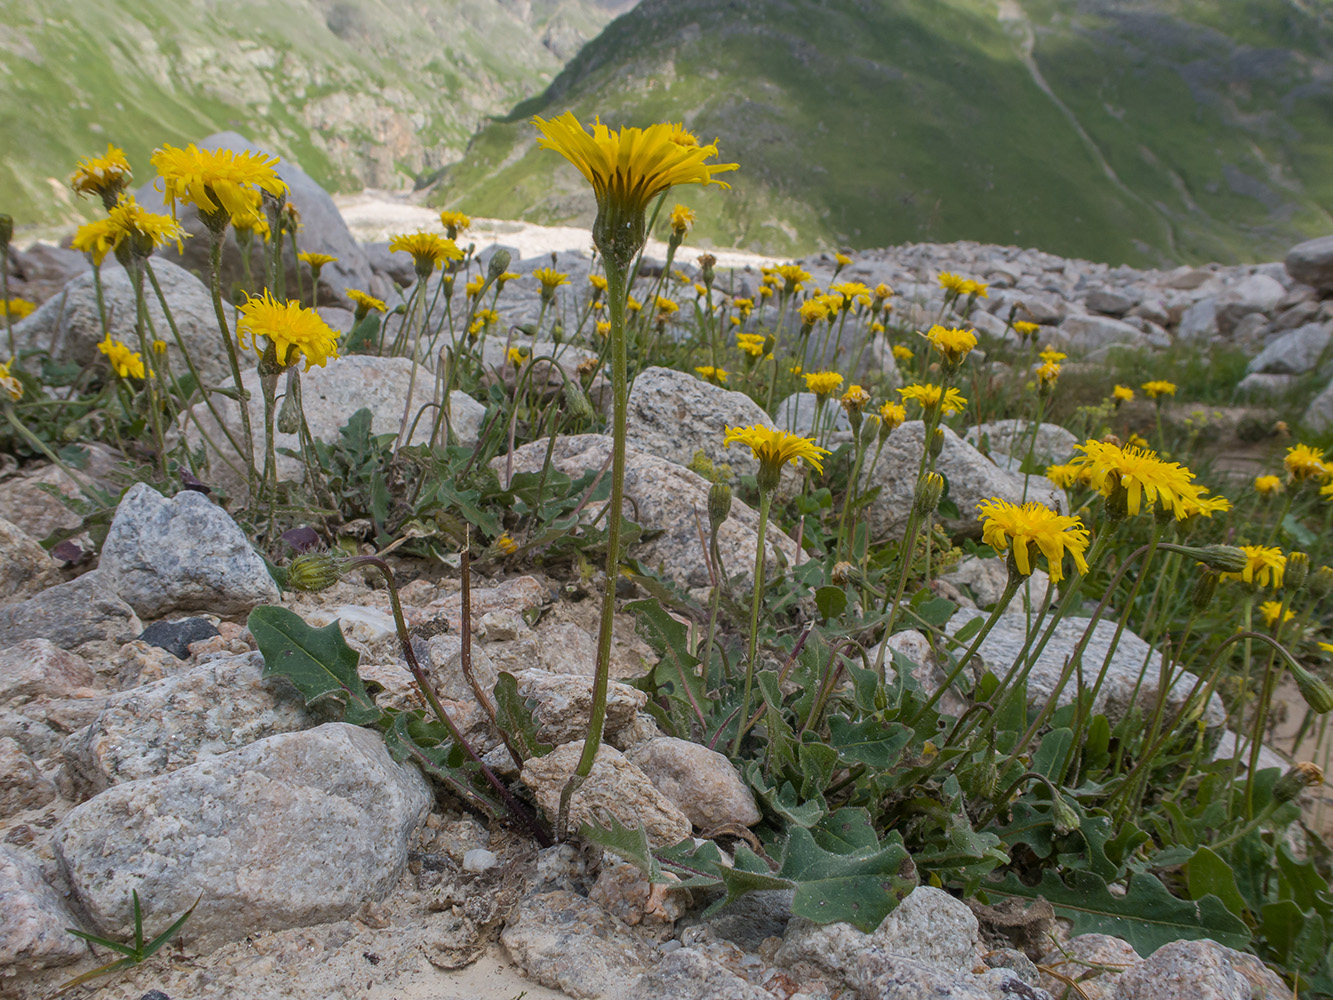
[
  {"x": 358, "y": 92},
  {"x": 1139, "y": 131}
]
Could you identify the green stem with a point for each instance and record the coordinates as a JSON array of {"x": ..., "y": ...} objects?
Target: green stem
[
  {"x": 215, "y": 284},
  {"x": 765, "y": 502}
]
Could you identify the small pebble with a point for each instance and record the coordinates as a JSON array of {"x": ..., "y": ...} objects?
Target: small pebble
[{"x": 479, "y": 859}]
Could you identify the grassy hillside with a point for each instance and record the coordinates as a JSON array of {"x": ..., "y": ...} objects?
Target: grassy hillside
[
  {"x": 359, "y": 92},
  {"x": 1138, "y": 131}
]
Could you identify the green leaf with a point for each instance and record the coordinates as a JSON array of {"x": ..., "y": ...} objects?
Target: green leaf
[
  {"x": 831, "y": 602},
  {"x": 1051, "y": 754},
  {"x": 1147, "y": 915},
  {"x": 410, "y": 736},
  {"x": 514, "y": 716},
  {"x": 969, "y": 629},
  {"x": 846, "y": 831},
  {"x": 1207, "y": 873},
  {"x": 750, "y": 873},
  {"x": 861, "y": 888},
  {"x": 877, "y": 744},
  {"x": 363, "y": 335},
  {"x": 627, "y": 844},
  {"x": 317, "y": 661},
  {"x": 783, "y": 798}
]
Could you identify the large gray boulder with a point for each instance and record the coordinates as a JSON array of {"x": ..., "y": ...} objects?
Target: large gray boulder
[
  {"x": 294, "y": 830},
  {"x": 1319, "y": 414},
  {"x": 1311, "y": 263},
  {"x": 182, "y": 553},
  {"x": 1294, "y": 352},
  {"x": 86, "y": 609},
  {"x": 322, "y": 231}
]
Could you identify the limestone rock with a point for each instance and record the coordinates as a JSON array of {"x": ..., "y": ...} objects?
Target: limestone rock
[
  {"x": 294, "y": 830},
  {"x": 700, "y": 781},
  {"x": 1263, "y": 386},
  {"x": 986, "y": 579},
  {"x": 1199, "y": 322},
  {"x": 25, "y": 567},
  {"x": 615, "y": 787},
  {"x": 1087, "y": 333},
  {"x": 1094, "y": 961},
  {"x": 568, "y": 943},
  {"x": 564, "y": 704},
  {"x": 883, "y": 975},
  {"x": 33, "y": 919},
  {"x": 1111, "y": 301},
  {"x": 1294, "y": 352},
  {"x": 180, "y": 720},
  {"x": 1319, "y": 414},
  {"x": 1311, "y": 263},
  {"x": 689, "y": 974},
  {"x": 661, "y": 495},
  {"x": 1052, "y": 446},
  {"x": 796, "y": 414},
  {"x": 38, "y": 668},
  {"x": 36, "y": 512},
  {"x": 1201, "y": 970},
  {"x": 183, "y": 553},
  {"x": 86, "y": 609},
  {"x": 22, "y": 784}
]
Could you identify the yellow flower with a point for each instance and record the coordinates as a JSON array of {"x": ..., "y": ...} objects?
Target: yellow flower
[
  {"x": 474, "y": 286},
  {"x": 454, "y": 223},
  {"x": 773, "y": 448},
  {"x": 930, "y": 397},
  {"x": 159, "y": 347},
  {"x": 665, "y": 307},
  {"x": 10, "y": 385},
  {"x": 1304, "y": 462},
  {"x": 290, "y": 329},
  {"x": 682, "y": 218},
  {"x": 505, "y": 543},
  {"x": 835, "y": 304},
  {"x": 795, "y": 369},
  {"x": 793, "y": 276},
  {"x": 975, "y": 288},
  {"x": 812, "y": 311},
  {"x": 1026, "y": 329},
  {"x": 633, "y": 304},
  {"x": 765, "y": 291},
  {"x": 1048, "y": 373},
  {"x": 743, "y": 305},
  {"x": 603, "y": 327},
  {"x": 1122, "y": 394},
  {"x": 1064, "y": 476},
  {"x": 751, "y": 343},
  {"x": 883, "y": 291},
  {"x": 953, "y": 343},
  {"x": 316, "y": 260},
  {"x": 550, "y": 279},
  {"x": 892, "y": 415},
  {"x": 841, "y": 259},
  {"x": 1034, "y": 524},
  {"x": 1205, "y": 506},
  {"x": 1050, "y": 355},
  {"x": 701, "y": 289},
  {"x": 1158, "y": 388},
  {"x": 1140, "y": 473},
  {"x": 428, "y": 250},
  {"x": 126, "y": 363},
  {"x": 252, "y": 220},
  {"x": 715, "y": 375},
  {"x": 1137, "y": 441},
  {"x": 855, "y": 398},
  {"x": 901, "y": 353},
  {"x": 598, "y": 282},
  {"x": 104, "y": 175},
  {"x": 627, "y": 169},
  {"x": 505, "y": 277},
  {"x": 850, "y": 290},
  {"x": 1271, "y": 610},
  {"x": 366, "y": 302},
  {"x": 15, "y": 308},
  {"x": 1267, "y": 485},
  {"x": 822, "y": 383},
  {"x": 1265, "y": 566},
  {"x": 215, "y": 180},
  {"x": 516, "y": 357},
  {"x": 876, "y": 327},
  {"x": 127, "y": 221}
]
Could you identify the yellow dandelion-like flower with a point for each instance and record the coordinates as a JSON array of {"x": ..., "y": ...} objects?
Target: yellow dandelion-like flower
[
  {"x": 1271, "y": 610},
  {"x": 822, "y": 383},
  {"x": 105, "y": 175},
  {"x": 952, "y": 343},
  {"x": 975, "y": 288},
  {"x": 855, "y": 398},
  {"x": 744, "y": 306},
  {"x": 812, "y": 311},
  {"x": 1064, "y": 476},
  {"x": 505, "y": 543},
  {"x": 793, "y": 276},
  {"x": 516, "y": 357},
  {"x": 633, "y": 304},
  {"x": 215, "y": 180},
  {"x": 292, "y": 331},
  {"x": 429, "y": 250},
  {"x": 715, "y": 375},
  {"x": 1122, "y": 394},
  {"x": 1304, "y": 462},
  {"x": 127, "y": 222},
  {"x": 10, "y": 385},
  {"x": 125, "y": 363},
  {"x": 366, "y": 302},
  {"x": 773, "y": 448},
  {"x": 1033, "y": 524},
  {"x": 877, "y": 327},
  {"x": 841, "y": 259},
  {"x": 765, "y": 291},
  {"x": 892, "y": 416},
  {"x": 1206, "y": 506},
  {"x": 952, "y": 282},
  {"x": 316, "y": 260},
  {"x": 1048, "y": 373},
  {"x": 901, "y": 353},
  {"x": 1138, "y": 441},
  {"x": 1026, "y": 329},
  {"x": 474, "y": 286},
  {"x": 16, "y": 308},
  {"x": 931, "y": 397},
  {"x": 603, "y": 327},
  {"x": 682, "y": 218},
  {"x": 1051, "y": 356},
  {"x": 1267, "y": 485},
  {"x": 666, "y": 307},
  {"x": 550, "y": 278},
  {"x": 835, "y": 304},
  {"x": 598, "y": 282},
  {"x": 504, "y": 277},
  {"x": 751, "y": 343},
  {"x": 1158, "y": 388},
  {"x": 796, "y": 369},
  {"x": 883, "y": 291},
  {"x": 852, "y": 290},
  {"x": 1142, "y": 475},
  {"x": 627, "y": 169},
  {"x": 454, "y": 223},
  {"x": 1265, "y": 566}
]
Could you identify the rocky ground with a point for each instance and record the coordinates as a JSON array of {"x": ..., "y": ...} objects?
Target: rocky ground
[{"x": 142, "y": 747}]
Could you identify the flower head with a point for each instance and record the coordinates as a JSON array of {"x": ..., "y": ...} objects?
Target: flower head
[
  {"x": 1047, "y": 374},
  {"x": 891, "y": 416},
  {"x": 1140, "y": 473},
  {"x": 932, "y": 397},
  {"x": 882, "y": 292},
  {"x": 855, "y": 399},
  {"x": 953, "y": 343},
  {"x": 516, "y": 356},
  {"x": 667, "y": 307},
  {"x": 1064, "y": 476},
  {"x": 974, "y": 288},
  {"x": 627, "y": 169},
  {"x": 16, "y": 308},
  {"x": 602, "y": 328},
  {"x": 428, "y": 250},
  {"x": 1052, "y": 356},
  {"x": 1033, "y": 524},
  {"x": 682, "y": 218},
  {"x": 1025, "y": 329},
  {"x": 822, "y": 383},
  {"x": 1267, "y": 485},
  {"x": 751, "y": 344},
  {"x": 1122, "y": 394},
  {"x": 454, "y": 223},
  {"x": 506, "y": 544},
  {"x": 366, "y": 302},
  {"x": 792, "y": 275},
  {"x": 773, "y": 448},
  {"x": 316, "y": 260},
  {"x": 952, "y": 282},
  {"x": 10, "y": 385},
  {"x": 126, "y": 363},
  {"x": 841, "y": 259},
  {"x": 812, "y": 311},
  {"x": 215, "y": 180},
  {"x": 1265, "y": 566},
  {"x": 1158, "y": 388},
  {"x": 292, "y": 331},
  {"x": 718, "y": 376},
  {"x": 1272, "y": 610},
  {"x": 901, "y": 353},
  {"x": 127, "y": 223},
  {"x": 1304, "y": 462},
  {"x": 550, "y": 279},
  {"x": 105, "y": 176}
]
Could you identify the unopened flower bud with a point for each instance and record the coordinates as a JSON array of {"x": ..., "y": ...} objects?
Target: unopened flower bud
[
  {"x": 1321, "y": 582},
  {"x": 1064, "y": 818},
  {"x": 499, "y": 265},
  {"x": 577, "y": 403},
  {"x": 1204, "y": 590},
  {"x": 1223, "y": 558},
  {"x": 289, "y": 416},
  {"x": 314, "y": 571},
  {"x": 937, "y": 443},
  {"x": 1298, "y": 778},
  {"x": 1316, "y": 692},
  {"x": 845, "y": 573},
  {"x": 719, "y": 504},
  {"x": 929, "y": 489},
  {"x": 1296, "y": 572}
]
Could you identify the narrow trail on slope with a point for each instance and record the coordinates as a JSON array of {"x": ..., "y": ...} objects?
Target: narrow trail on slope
[{"x": 1012, "y": 15}]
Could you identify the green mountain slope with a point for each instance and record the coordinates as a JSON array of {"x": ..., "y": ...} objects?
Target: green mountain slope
[
  {"x": 359, "y": 92},
  {"x": 1135, "y": 131}
]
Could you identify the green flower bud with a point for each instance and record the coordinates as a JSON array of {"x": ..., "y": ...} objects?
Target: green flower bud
[
  {"x": 314, "y": 571},
  {"x": 1321, "y": 582},
  {"x": 1223, "y": 558},
  {"x": 937, "y": 443},
  {"x": 719, "y": 504},
  {"x": 706, "y": 263},
  {"x": 1297, "y": 571},
  {"x": 1064, "y": 818},
  {"x": 1316, "y": 692},
  {"x": 1298, "y": 778},
  {"x": 1204, "y": 590},
  {"x": 499, "y": 265},
  {"x": 577, "y": 403},
  {"x": 929, "y": 489},
  {"x": 289, "y": 416}
]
